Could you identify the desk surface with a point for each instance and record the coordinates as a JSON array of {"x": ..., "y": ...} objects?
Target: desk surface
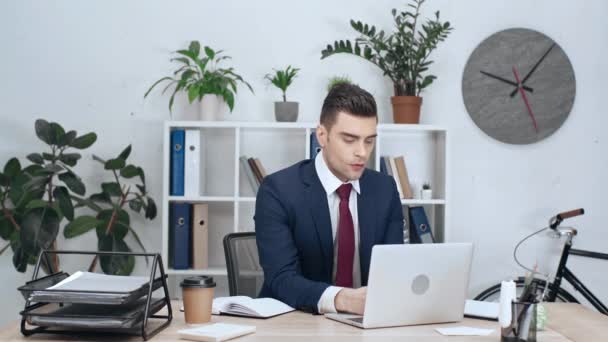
[{"x": 567, "y": 322}]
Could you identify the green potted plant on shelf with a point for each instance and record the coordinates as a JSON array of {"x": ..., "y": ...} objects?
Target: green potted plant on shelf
[
  {"x": 426, "y": 193},
  {"x": 201, "y": 78},
  {"x": 282, "y": 79},
  {"x": 403, "y": 55},
  {"x": 334, "y": 80}
]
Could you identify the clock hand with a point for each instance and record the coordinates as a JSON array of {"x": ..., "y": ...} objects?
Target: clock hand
[
  {"x": 523, "y": 95},
  {"x": 505, "y": 80},
  {"x": 534, "y": 68}
]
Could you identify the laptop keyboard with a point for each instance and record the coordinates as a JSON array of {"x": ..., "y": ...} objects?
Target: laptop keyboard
[{"x": 356, "y": 319}]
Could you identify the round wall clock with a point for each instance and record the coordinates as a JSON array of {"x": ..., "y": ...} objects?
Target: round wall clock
[{"x": 518, "y": 86}]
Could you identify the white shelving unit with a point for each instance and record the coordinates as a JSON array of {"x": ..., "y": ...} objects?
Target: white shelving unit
[{"x": 232, "y": 201}]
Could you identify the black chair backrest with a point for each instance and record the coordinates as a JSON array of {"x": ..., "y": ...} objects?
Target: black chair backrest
[{"x": 245, "y": 275}]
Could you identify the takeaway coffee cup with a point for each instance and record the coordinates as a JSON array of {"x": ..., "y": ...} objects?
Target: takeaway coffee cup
[{"x": 198, "y": 298}]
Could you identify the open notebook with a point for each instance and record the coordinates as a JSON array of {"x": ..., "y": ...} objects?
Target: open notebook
[{"x": 249, "y": 307}]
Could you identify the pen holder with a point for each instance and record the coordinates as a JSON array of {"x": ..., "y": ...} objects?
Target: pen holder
[{"x": 523, "y": 323}]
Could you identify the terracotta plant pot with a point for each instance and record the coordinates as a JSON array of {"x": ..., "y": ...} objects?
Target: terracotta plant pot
[{"x": 406, "y": 109}]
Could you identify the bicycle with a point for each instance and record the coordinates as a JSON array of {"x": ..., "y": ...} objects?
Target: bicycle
[{"x": 553, "y": 291}]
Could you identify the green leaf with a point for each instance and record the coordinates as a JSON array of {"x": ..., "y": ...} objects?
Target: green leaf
[
  {"x": 79, "y": 226},
  {"x": 53, "y": 168},
  {"x": 39, "y": 229},
  {"x": 4, "y": 181},
  {"x": 115, "y": 264},
  {"x": 6, "y": 227},
  {"x": 70, "y": 159},
  {"x": 155, "y": 84},
  {"x": 125, "y": 153},
  {"x": 142, "y": 176},
  {"x": 57, "y": 133},
  {"x": 135, "y": 205},
  {"x": 43, "y": 131},
  {"x": 19, "y": 260},
  {"x": 119, "y": 227},
  {"x": 65, "y": 202},
  {"x": 101, "y": 197},
  {"x": 151, "y": 209},
  {"x": 209, "y": 52},
  {"x": 84, "y": 141},
  {"x": 68, "y": 138},
  {"x": 35, "y": 158},
  {"x": 129, "y": 171},
  {"x": 229, "y": 98},
  {"x": 96, "y": 158},
  {"x": 112, "y": 189},
  {"x": 115, "y": 164},
  {"x": 24, "y": 188},
  {"x": 195, "y": 47},
  {"x": 37, "y": 203},
  {"x": 193, "y": 93},
  {"x": 12, "y": 168},
  {"x": 48, "y": 156},
  {"x": 73, "y": 182}
]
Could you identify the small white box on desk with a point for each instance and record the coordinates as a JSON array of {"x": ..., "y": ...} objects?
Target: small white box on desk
[{"x": 216, "y": 332}]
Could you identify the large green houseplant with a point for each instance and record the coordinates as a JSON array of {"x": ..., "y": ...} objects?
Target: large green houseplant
[
  {"x": 403, "y": 55},
  {"x": 200, "y": 77},
  {"x": 36, "y": 199}
]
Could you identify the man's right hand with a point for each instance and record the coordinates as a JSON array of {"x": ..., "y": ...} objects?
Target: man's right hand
[{"x": 351, "y": 300}]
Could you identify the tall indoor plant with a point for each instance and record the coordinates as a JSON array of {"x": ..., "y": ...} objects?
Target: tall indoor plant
[
  {"x": 201, "y": 78},
  {"x": 403, "y": 55},
  {"x": 35, "y": 200},
  {"x": 282, "y": 79}
]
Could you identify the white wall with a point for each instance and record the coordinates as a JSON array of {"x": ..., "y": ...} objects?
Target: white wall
[{"x": 87, "y": 65}]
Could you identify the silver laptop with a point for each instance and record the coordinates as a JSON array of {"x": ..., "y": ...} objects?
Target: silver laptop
[{"x": 414, "y": 284}]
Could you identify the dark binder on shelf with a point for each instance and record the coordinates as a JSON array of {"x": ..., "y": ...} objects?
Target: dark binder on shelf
[
  {"x": 420, "y": 230},
  {"x": 383, "y": 168},
  {"x": 180, "y": 243},
  {"x": 314, "y": 145},
  {"x": 178, "y": 138}
]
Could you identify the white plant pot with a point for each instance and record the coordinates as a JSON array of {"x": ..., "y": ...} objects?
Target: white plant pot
[
  {"x": 426, "y": 194},
  {"x": 212, "y": 108}
]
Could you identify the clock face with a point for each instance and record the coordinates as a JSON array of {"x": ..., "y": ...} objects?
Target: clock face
[{"x": 518, "y": 86}]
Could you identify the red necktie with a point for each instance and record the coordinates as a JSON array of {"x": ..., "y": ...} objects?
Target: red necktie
[{"x": 346, "y": 239}]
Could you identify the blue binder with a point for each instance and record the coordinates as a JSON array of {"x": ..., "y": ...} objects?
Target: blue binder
[
  {"x": 383, "y": 166},
  {"x": 420, "y": 230},
  {"x": 180, "y": 241},
  {"x": 314, "y": 145},
  {"x": 178, "y": 138}
]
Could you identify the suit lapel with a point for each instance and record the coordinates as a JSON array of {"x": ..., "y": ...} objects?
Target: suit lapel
[
  {"x": 319, "y": 209},
  {"x": 366, "y": 213}
]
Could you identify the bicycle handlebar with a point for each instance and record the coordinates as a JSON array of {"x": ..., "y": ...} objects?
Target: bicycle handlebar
[{"x": 557, "y": 219}]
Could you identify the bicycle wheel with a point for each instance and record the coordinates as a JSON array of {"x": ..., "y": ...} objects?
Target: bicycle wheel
[{"x": 492, "y": 294}]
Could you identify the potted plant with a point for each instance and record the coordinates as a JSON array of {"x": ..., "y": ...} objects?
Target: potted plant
[
  {"x": 282, "y": 79},
  {"x": 403, "y": 55},
  {"x": 203, "y": 80},
  {"x": 36, "y": 199},
  {"x": 426, "y": 193},
  {"x": 337, "y": 80}
]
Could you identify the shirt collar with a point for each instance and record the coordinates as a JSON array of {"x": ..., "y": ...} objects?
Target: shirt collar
[{"x": 329, "y": 181}]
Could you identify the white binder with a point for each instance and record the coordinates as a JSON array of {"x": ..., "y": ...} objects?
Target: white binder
[{"x": 192, "y": 163}]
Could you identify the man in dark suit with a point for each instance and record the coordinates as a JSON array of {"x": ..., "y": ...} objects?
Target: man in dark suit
[{"x": 316, "y": 221}]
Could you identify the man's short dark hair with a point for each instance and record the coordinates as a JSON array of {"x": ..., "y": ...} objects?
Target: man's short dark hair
[{"x": 348, "y": 98}]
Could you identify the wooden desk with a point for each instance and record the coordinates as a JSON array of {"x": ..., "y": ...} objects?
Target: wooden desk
[{"x": 567, "y": 322}]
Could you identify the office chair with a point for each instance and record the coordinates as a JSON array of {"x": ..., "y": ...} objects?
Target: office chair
[{"x": 245, "y": 275}]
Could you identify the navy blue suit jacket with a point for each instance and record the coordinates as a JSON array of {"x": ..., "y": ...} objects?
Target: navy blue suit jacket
[{"x": 294, "y": 233}]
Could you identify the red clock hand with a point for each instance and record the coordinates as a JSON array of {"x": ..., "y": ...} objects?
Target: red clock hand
[{"x": 523, "y": 95}]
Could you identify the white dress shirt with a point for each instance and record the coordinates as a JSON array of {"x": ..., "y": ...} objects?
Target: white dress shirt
[{"x": 331, "y": 183}]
